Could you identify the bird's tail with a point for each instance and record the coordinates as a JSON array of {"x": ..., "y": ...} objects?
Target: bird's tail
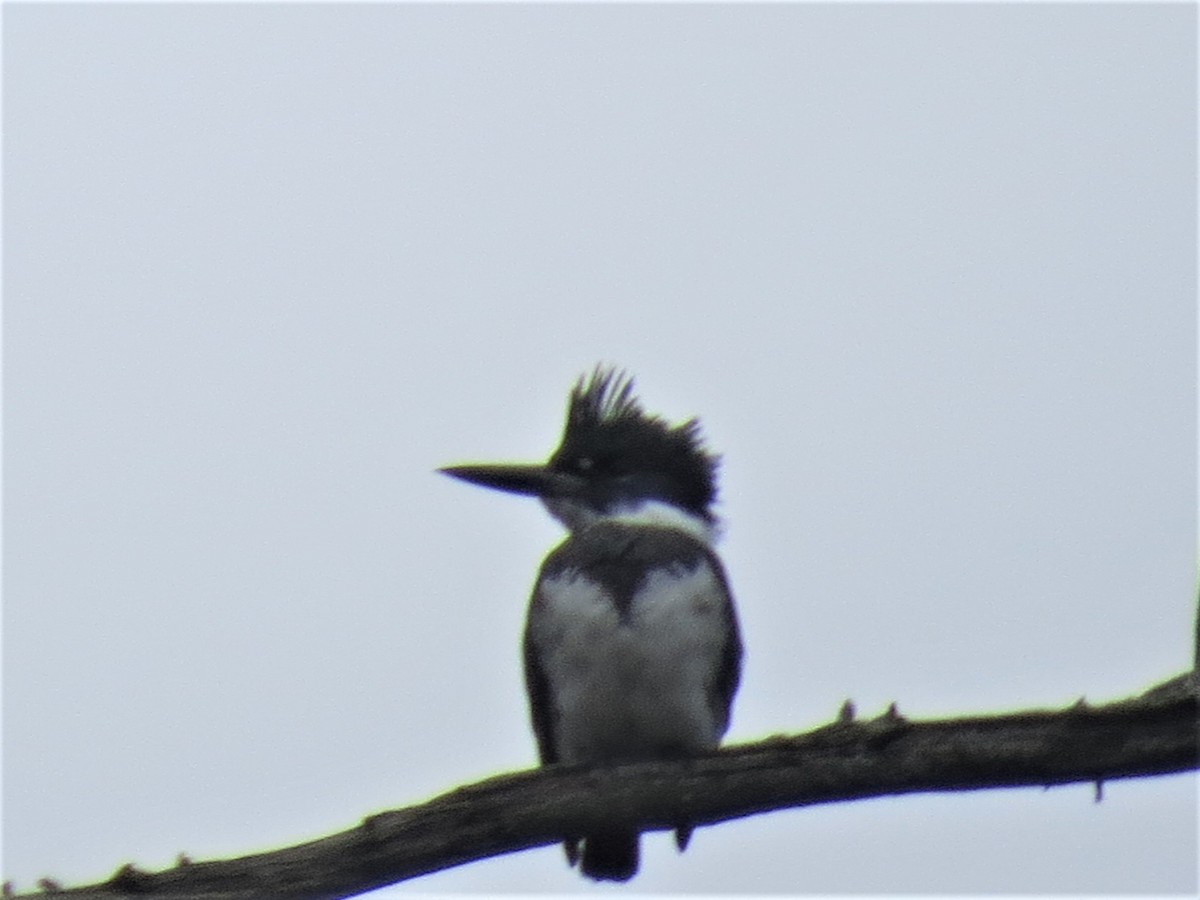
[{"x": 610, "y": 855}]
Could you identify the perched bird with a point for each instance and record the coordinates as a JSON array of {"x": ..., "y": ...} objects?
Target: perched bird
[{"x": 631, "y": 645}]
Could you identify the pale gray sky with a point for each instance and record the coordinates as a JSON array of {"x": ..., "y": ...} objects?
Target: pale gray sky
[{"x": 927, "y": 273}]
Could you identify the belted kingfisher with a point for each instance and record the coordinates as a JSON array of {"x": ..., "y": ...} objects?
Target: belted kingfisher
[{"x": 631, "y": 644}]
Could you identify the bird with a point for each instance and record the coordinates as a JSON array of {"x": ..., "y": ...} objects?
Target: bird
[{"x": 632, "y": 649}]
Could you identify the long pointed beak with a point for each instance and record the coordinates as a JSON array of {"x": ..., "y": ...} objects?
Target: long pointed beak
[{"x": 533, "y": 480}]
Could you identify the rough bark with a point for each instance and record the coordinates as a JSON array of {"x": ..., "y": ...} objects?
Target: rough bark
[{"x": 1153, "y": 734}]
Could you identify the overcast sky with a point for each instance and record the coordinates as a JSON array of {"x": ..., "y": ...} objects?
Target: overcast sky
[{"x": 926, "y": 273}]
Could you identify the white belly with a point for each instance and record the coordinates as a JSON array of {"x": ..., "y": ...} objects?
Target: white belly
[{"x": 635, "y": 686}]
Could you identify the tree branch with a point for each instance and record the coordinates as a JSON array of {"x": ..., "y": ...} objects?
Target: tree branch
[{"x": 1153, "y": 734}]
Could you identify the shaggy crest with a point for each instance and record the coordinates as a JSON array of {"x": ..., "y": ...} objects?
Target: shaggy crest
[{"x": 609, "y": 433}]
